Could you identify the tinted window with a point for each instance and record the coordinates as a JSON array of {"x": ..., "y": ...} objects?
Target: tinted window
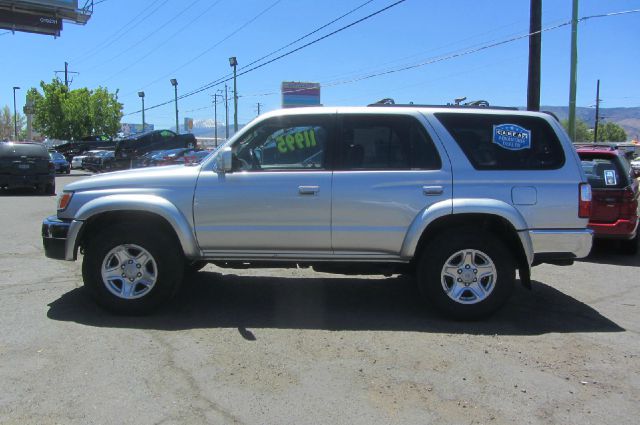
[
  {"x": 385, "y": 142},
  {"x": 16, "y": 150},
  {"x": 505, "y": 142},
  {"x": 604, "y": 172},
  {"x": 298, "y": 143}
]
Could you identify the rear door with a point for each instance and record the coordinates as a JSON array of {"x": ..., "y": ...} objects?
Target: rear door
[
  {"x": 24, "y": 159},
  {"x": 607, "y": 180},
  {"x": 388, "y": 170}
]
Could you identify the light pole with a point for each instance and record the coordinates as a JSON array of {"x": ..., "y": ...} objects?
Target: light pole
[
  {"x": 141, "y": 95},
  {"x": 234, "y": 63},
  {"x": 15, "y": 115},
  {"x": 174, "y": 83}
]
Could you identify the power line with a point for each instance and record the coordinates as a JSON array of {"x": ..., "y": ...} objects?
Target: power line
[
  {"x": 148, "y": 36},
  {"x": 234, "y": 32},
  {"x": 404, "y": 68},
  {"x": 122, "y": 31},
  {"x": 226, "y": 78}
]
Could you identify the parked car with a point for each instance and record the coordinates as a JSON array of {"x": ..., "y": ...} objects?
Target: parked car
[
  {"x": 88, "y": 158},
  {"x": 614, "y": 213},
  {"x": 129, "y": 149},
  {"x": 169, "y": 157},
  {"x": 635, "y": 164},
  {"x": 76, "y": 161},
  {"x": 27, "y": 165},
  {"x": 99, "y": 161},
  {"x": 144, "y": 160},
  {"x": 195, "y": 157},
  {"x": 79, "y": 147},
  {"x": 60, "y": 162},
  {"x": 460, "y": 197}
]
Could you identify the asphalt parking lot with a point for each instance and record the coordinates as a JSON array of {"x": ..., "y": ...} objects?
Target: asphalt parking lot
[{"x": 296, "y": 347}]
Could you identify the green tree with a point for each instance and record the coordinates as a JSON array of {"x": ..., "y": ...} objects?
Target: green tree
[
  {"x": 611, "y": 132},
  {"x": 7, "y": 124},
  {"x": 66, "y": 114},
  {"x": 583, "y": 133}
]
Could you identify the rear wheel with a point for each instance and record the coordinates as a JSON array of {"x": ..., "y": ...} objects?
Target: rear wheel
[
  {"x": 131, "y": 270},
  {"x": 466, "y": 275}
]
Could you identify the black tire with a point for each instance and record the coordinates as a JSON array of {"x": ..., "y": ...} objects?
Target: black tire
[
  {"x": 168, "y": 267},
  {"x": 432, "y": 281},
  {"x": 630, "y": 247},
  {"x": 50, "y": 189}
]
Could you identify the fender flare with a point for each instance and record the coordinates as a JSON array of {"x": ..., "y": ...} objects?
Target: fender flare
[
  {"x": 146, "y": 203},
  {"x": 466, "y": 206}
]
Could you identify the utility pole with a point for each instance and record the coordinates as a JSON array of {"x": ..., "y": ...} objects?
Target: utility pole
[
  {"x": 595, "y": 128},
  {"x": 141, "y": 95},
  {"x": 15, "y": 114},
  {"x": 174, "y": 83},
  {"x": 234, "y": 64},
  {"x": 66, "y": 74},
  {"x": 215, "y": 115},
  {"x": 259, "y": 105},
  {"x": 226, "y": 109},
  {"x": 573, "y": 78},
  {"x": 535, "y": 42}
]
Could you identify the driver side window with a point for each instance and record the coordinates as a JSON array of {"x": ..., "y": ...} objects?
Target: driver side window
[{"x": 292, "y": 143}]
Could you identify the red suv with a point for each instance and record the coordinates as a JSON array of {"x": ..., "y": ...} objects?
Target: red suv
[{"x": 614, "y": 209}]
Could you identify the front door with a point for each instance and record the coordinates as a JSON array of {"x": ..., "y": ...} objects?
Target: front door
[{"x": 276, "y": 202}]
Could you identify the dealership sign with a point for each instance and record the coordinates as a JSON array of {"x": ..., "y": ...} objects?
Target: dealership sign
[{"x": 296, "y": 94}]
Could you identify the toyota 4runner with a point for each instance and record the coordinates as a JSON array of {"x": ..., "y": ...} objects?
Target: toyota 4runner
[{"x": 462, "y": 198}]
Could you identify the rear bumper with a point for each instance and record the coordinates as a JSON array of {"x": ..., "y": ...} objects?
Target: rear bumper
[
  {"x": 562, "y": 244},
  {"x": 59, "y": 238},
  {"x": 17, "y": 182},
  {"x": 620, "y": 229}
]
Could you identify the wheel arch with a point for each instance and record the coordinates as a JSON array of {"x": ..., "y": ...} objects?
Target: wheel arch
[{"x": 146, "y": 210}]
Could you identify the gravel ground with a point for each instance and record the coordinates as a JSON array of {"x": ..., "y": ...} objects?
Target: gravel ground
[{"x": 287, "y": 346}]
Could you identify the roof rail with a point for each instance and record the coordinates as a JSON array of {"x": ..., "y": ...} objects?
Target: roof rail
[
  {"x": 611, "y": 146},
  {"x": 416, "y": 105}
]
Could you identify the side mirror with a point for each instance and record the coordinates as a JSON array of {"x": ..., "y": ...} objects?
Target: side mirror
[{"x": 224, "y": 160}]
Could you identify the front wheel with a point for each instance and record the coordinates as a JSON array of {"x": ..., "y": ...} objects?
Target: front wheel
[
  {"x": 466, "y": 275},
  {"x": 130, "y": 270}
]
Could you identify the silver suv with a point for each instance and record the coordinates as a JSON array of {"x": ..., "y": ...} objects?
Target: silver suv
[{"x": 462, "y": 198}]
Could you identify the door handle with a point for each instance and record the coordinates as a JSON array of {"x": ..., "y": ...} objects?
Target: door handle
[
  {"x": 308, "y": 190},
  {"x": 432, "y": 190}
]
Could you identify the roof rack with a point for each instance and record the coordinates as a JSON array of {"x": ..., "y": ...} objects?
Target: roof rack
[
  {"x": 611, "y": 146},
  {"x": 478, "y": 104}
]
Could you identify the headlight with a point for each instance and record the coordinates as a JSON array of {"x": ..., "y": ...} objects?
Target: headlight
[{"x": 63, "y": 200}]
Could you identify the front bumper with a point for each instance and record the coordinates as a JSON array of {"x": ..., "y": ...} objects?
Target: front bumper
[
  {"x": 59, "y": 238},
  {"x": 561, "y": 244}
]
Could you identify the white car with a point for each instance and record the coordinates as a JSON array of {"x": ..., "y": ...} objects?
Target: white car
[
  {"x": 635, "y": 164},
  {"x": 76, "y": 161}
]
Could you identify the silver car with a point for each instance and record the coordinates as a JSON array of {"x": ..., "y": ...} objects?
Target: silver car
[{"x": 461, "y": 198}]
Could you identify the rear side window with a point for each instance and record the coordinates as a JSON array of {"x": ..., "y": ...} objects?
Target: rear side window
[
  {"x": 604, "y": 172},
  {"x": 505, "y": 142},
  {"x": 385, "y": 142}
]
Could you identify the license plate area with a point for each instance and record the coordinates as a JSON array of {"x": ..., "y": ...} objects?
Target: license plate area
[{"x": 24, "y": 166}]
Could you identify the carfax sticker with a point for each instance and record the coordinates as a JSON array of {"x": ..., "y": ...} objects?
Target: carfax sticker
[
  {"x": 610, "y": 178},
  {"x": 512, "y": 137}
]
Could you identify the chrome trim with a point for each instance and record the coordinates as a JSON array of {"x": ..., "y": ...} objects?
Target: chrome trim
[{"x": 575, "y": 241}]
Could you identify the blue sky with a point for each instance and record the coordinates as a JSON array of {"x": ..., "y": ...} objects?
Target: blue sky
[{"x": 191, "y": 40}]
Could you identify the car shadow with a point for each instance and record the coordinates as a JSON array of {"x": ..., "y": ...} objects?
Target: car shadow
[
  {"x": 608, "y": 252},
  {"x": 212, "y": 300}
]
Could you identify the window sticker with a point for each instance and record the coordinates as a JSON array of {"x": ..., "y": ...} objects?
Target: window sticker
[
  {"x": 610, "y": 178},
  {"x": 511, "y": 137},
  {"x": 299, "y": 140}
]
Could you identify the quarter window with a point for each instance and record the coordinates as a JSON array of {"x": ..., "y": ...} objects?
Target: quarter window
[
  {"x": 385, "y": 142},
  {"x": 505, "y": 142}
]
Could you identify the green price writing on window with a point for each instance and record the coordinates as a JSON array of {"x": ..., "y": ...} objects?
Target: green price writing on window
[{"x": 300, "y": 140}]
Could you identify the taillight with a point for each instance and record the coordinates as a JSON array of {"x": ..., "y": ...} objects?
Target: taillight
[
  {"x": 629, "y": 205},
  {"x": 584, "y": 200},
  {"x": 52, "y": 165}
]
